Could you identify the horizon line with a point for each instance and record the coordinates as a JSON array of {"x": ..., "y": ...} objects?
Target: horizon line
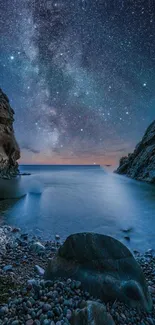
[{"x": 59, "y": 164}]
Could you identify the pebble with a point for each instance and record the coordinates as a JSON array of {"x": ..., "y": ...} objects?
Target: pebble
[
  {"x": 37, "y": 247},
  {"x": 39, "y": 270},
  {"x": 40, "y": 302},
  {"x": 16, "y": 230},
  {"x": 7, "y": 268},
  {"x": 3, "y": 310},
  {"x": 46, "y": 307},
  {"x": 29, "y": 322}
]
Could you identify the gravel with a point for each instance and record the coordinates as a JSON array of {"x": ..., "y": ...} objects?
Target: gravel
[{"x": 27, "y": 299}]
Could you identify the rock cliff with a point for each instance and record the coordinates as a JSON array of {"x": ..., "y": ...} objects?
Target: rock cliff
[
  {"x": 9, "y": 149},
  {"x": 140, "y": 164}
]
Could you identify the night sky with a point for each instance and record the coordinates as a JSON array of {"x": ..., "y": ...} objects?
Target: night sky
[{"x": 80, "y": 75}]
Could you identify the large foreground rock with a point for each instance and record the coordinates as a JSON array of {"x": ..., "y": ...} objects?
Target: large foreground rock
[
  {"x": 92, "y": 313},
  {"x": 9, "y": 149},
  {"x": 141, "y": 163},
  {"x": 105, "y": 267}
]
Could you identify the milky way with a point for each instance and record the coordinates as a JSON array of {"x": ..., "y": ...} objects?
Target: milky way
[{"x": 80, "y": 76}]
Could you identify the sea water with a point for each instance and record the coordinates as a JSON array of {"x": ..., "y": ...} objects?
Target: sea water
[{"x": 68, "y": 199}]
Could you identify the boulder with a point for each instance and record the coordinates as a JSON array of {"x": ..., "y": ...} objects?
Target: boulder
[
  {"x": 92, "y": 313},
  {"x": 140, "y": 164},
  {"x": 105, "y": 267}
]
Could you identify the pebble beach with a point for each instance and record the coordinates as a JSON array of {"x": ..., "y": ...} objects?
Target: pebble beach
[{"x": 26, "y": 298}]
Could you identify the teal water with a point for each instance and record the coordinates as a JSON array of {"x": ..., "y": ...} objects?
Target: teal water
[{"x": 68, "y": 199}]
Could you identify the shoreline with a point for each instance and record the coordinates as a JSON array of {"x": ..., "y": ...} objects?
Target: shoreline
[{"x": 26, "y": 298}]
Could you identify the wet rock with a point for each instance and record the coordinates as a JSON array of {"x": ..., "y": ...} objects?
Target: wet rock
[
  {"x": 127, "y": 230},
  {"x": 37, "y": 247},
  {"x": 127, "y": 238},
  {"x": 105, "y": 267},
  {"x": 3, "y": 310},
  {"x": 24, "y": 236},
  {"x": 92, "y": 313},
  {"x": 7, "y": 268},
  {"x": 16, "y": 230},
  {"x": 39, "y": 270},
  {"x": 29, "y": 322}
]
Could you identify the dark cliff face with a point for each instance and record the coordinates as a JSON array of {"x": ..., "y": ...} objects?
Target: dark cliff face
[
  {"x": 9, "y": 149},
  {"x": 141, "y": 163}
]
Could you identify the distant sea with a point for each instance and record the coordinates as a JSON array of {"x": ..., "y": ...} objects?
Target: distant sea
[{"x": 68, "y": 199}]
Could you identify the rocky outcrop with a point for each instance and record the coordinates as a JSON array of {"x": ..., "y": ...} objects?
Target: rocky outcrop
[
  {"x": 9, "y": 149},
  {"x": 104, "y": 266},
  {"x": 140, "y": 164},
  {"x": 92, "y": 313}
]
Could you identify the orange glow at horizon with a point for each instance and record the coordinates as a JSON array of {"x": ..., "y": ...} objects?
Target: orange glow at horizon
[{"x": 29, "y": 158}]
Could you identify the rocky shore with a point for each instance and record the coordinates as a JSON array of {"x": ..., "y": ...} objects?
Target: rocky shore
[
  {"x": 9, "y": 149},
  {"x": 26, "y": 298},
  {"x": 140, "y": 164}
]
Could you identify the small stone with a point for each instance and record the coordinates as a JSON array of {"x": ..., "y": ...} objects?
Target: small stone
[
  {"x": 37, "y": 247},
  {"x": 36, "y": 322},
  {"x": 7, "y": 268},
  {"x": 150, "y": 321},
  {"x": 46, "y": 307},
  {"x": 16, "y": 230},
  {"x": 39, "y": 270},
  {"x": 56, "y": 311},
  {"x": 127, "y": 238},
  {"x": 77, "y": 284},
  {"x": 123, "y": 316},
  {"x": 69, "y": 314},
  {"x": 50, "y": 314},
  {"x": 69, "y": 281},
  {"x": 151, "y": 289},
  {"x": 29, "y": 322},
  {"x": 3, "y": 310},
  {"x": 29, "y": 305},
  {"x": 46, "y": 322},
  {"x": 24, "y": 236}
]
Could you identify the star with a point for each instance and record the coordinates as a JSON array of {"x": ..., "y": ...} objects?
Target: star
[{"x": 80, "y": 76}]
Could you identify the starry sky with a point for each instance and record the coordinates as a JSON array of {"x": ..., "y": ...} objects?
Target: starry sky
[{"x": 80, "y": 75}]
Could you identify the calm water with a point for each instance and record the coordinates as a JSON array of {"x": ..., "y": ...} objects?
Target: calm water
[{"x": 68, "y": 200}]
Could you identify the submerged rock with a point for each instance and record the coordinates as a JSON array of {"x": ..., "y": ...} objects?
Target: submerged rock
[
  {"x": 140, "y": 164},
  {"x": 9, "y": 149},
  {"x": 92, "y": 313},
  {"x": 105, "y": 267}
]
